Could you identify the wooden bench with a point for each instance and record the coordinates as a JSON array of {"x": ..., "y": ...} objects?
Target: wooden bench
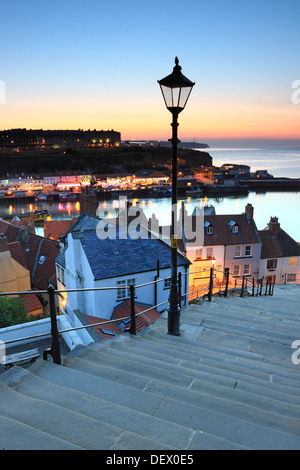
[{"x": 20, "y": 358}]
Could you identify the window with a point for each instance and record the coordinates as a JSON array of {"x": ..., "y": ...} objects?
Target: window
[
  {"x": 209, "y": 230},
  {"x": 248, "y": 250},
  {"x": 291, "y": 278},
  {"x": 293, "y": 261},
  {"x": 272, "y": 264},
  {"x": 123, "y": 293},
  {"x": 237, "y": 251},
  {"x": 235, "y": 229},
  {"x": 209, "y": 253},
  {"x": 236, "y": 270},
  {"x": 167, "y": 283},
  {"x": 198, "y": 253},
  {"x": 247, "y": 269},
  {"x": 42, "y": 259}
]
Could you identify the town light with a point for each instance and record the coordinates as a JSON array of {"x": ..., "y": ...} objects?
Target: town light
[{"x": 176, "y": 89}]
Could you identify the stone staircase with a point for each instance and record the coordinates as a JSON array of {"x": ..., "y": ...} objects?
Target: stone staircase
[{"x": 228, "y": 382}]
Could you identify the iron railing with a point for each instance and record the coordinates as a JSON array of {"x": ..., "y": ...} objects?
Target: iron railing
[{"x": 258, "y": 287}]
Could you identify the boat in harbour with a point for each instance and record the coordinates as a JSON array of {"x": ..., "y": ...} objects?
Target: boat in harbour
[
  {"x": 36, "y": 216},
  {"x": 194, "y": 191},
  {"x": 67, "y": 197},
  {"x": 43, "y": 197}
]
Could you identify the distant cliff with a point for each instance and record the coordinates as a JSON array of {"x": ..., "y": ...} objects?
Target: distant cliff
[
  {"x": 98, "y": 160},
  {"x": 186, "y": 145}
]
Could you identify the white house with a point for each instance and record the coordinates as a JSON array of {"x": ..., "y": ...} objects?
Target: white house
[
  {"x": 280, "y": 255},
  {"x": 111, "y": 265},
  {"x": 228, "y": 243}
]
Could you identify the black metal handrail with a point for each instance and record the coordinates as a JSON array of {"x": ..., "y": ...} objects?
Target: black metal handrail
[{"x": 54, "y": 351}]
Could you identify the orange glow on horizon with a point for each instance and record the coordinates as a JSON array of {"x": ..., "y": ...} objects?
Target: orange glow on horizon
[{"x": 150, "y": 120}]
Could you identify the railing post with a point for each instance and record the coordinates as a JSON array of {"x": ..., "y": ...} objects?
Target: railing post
[
  {"x": 210, "y": 283},
  {"x": 261, "y": 286},
  {"x": 132, "y": 329},
  {"x": 243, "y": 282},
  {"x": 253, "y": 286},
  {"x": 226, "y": 286},
  {"x": 54, "y": 351},
  {"x": 179, "y": 288},
  {"x": 267, "y": 282}
]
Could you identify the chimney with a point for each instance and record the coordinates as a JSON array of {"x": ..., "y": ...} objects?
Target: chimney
[
  {"x": 3, "y": 243},
  {"x": 274, "y": 225},
  {"x": 249, "y": 209}
]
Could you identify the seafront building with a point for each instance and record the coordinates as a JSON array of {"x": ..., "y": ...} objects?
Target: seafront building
[{"x": 40, "y": 139}]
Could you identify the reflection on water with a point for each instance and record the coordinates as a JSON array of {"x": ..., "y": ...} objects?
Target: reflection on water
[{"x": 284, "y": 205}]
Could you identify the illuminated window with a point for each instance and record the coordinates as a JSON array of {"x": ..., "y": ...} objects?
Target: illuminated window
[
  {"x": 238, "y": 251},
  {"x": 247, "y": 269},
  {"x": 293, "y": 261},
  {"x": 272, "y": 264},
  {"x": 236, "y": 270}
]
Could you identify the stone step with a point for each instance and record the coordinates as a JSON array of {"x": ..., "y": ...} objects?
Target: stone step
[
  {"x": 129, "y": 361},
  {"x": 96, "y": 386},
  {"x": 244, "y": 347},
  {"x": 164, "y": 352},
  {"x": 19, "y": 436},
  {"x": 228, "y": 407},
  {"x": 120, "y": 371},
  {"x": 57, "y": 421},
  {"x": 225, "y": 427},
  {"x": 244, "y": 329},
  {"x": 233, "y": 429},
  {"x": 271, "y": 363},
  {"x": 238, "y": 315},
  {"x": 181, "y": 437},
  {"x": 258, "y": 397},
  {"x": 114, "y": 414}
]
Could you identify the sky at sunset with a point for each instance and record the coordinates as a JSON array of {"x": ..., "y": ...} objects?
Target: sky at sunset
[{"x": 95, "y": 65}]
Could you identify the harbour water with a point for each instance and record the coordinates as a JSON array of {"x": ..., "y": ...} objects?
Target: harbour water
[{"x": 284, "y": 205}]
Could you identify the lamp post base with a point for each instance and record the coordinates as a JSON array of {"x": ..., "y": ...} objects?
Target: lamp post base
[{"x": 173, "y": 313}]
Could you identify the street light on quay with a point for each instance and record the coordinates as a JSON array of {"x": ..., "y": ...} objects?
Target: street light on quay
[{"x": 176, "y": 89}]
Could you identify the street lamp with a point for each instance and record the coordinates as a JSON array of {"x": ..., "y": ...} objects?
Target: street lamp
[{"x": 176, "y": 89}]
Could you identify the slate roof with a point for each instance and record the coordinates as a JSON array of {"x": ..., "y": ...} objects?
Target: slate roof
[
  {"x": 119, "y": 257},
  {"x": 222, "y": 233},
  {"x": 84, "y": 222},
  {"x": 278, "y": 245}
]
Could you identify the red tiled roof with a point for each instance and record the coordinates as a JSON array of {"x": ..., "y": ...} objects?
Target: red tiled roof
[
  {"x": 32, "y": 303},
  {"x": 142, "y": 320},
  {"x": 17, "y": 253},
  {"x": 123, "y": 311},
  {"x": 41, "y": 269},
  {"x": 107, "y": 326},
  {"x": 56, "y": 228}
]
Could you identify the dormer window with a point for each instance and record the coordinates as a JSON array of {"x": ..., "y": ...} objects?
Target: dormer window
[
  {"x": 209, "y": 229},
  {"x": 233, "y": 226}
]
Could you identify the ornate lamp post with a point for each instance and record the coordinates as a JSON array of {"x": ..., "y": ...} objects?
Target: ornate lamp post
[{"x": 176, "y": 89}]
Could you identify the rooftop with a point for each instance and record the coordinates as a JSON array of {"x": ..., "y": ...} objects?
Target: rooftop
[{"x": 230, "y": 382}]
